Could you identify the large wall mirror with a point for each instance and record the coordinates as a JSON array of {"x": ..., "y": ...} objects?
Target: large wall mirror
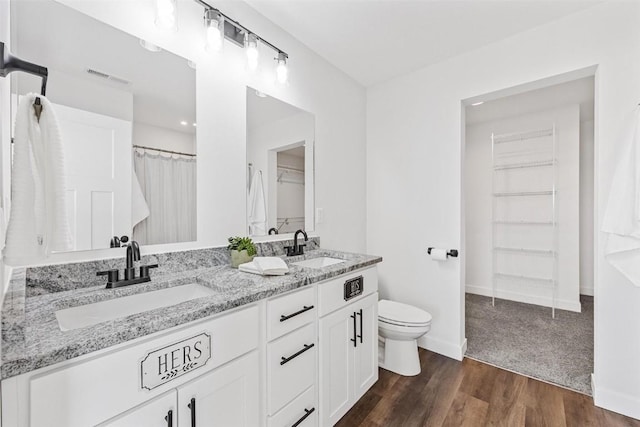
[
  {"x": 127, "y": 113},
  {"x": 280, "y": 166}
]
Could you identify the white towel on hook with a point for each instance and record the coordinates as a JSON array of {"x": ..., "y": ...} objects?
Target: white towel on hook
[
  {"x": 622, "y": 217},
  {"x": 38, "y": 223},
  {"x": 257, "y": 208}
]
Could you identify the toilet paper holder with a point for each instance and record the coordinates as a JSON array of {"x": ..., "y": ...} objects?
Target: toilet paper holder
[{"x": 450, "y": 253}]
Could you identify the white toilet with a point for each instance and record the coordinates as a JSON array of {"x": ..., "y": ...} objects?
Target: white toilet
[{"x": 399, "y": 327}]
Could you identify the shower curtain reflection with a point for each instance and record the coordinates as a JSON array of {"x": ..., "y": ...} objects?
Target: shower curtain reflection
[{"x": 169, "y": 187}]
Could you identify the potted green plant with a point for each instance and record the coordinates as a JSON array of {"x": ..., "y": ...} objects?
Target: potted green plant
[{"x": 242, "y": 250}]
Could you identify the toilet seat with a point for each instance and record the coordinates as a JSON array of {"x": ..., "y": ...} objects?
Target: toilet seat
[{"x": 398, "y": 314}]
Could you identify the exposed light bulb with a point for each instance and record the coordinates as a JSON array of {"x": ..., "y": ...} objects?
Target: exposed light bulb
[
  {"x": 214, "y": 27},
  {"x": 251, "y": 48},
  {"x": 166, "y": 14},
  {"x": 282, "y": 72}
]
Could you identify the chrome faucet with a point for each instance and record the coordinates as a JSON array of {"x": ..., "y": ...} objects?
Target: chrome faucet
[
  {"x": 297, "y": 249},
  {"x": 133, "y": 254}
]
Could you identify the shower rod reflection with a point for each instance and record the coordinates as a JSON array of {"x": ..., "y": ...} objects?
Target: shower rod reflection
[{"x": 164, "y": 151}]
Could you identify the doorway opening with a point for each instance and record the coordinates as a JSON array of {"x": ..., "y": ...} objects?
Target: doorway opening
[
  {"x": 529, "y": 231},
  {"x": 290, "y": 189}
]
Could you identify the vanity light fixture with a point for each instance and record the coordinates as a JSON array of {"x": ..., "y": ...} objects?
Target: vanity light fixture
[
  {"x": 282, "y": 72},
  {"x": 251, "y": 49},
  {"x": 214, "y": 27},
  {"x": 166, "y": 14},
  {"x": 218, "y": 27}
]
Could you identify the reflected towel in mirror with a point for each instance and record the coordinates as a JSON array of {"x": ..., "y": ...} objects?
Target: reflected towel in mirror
[{"x": 257, "y": 207}]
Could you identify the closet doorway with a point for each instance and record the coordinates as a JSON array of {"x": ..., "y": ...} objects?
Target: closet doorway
[
  {"x": 529, "y": 231},
  {"x": 290, "y": 189}
]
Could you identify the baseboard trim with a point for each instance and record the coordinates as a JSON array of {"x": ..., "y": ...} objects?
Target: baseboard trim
[
  {"x": 589, "y": 291},
  {"x": 614, "y": 401},
  {"x": 445, "y": 348},
  {"x": 528, "y": 299}
]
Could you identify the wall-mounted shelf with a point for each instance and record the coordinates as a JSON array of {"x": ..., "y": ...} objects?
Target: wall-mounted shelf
[
  {"x": 539, "y": 164},
  {"x": 523, "y": 136},
  {"x": 535, "y": 151},
  {"x": 523, "y": 222},
  {"x": 526, "y": 250},
  {"x": 526, "y": 278},
  {"x": 525, "y": 193}
]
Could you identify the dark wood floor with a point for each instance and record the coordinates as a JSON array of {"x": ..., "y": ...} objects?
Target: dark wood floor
[{"x": 470, "y": 393}]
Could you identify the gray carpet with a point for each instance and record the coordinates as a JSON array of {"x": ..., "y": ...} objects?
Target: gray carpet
[{"x": 525, "y": 339}]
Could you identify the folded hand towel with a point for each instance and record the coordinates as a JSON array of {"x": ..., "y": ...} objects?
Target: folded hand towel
[
  {"x": 271, "y": 265},
  {"x": 252, "y": 267}
]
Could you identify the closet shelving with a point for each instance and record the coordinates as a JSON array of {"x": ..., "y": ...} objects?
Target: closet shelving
[
  {"x": 290, "y": 175},
  {"x": 525, "y": 170}
]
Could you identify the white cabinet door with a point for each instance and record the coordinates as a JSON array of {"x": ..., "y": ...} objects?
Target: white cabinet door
[
  {"x": 160, "y": 411},
  {"x": 366, "y": 352},
  {"x": 336, "y": 364},
  {"x": 225, "y": 397}
]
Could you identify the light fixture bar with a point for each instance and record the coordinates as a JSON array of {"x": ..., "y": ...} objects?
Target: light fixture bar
[{"x": 237, "y": 35}]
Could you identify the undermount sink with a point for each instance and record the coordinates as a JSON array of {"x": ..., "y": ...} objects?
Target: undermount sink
[
  {"x": 91, "y": 314},
  {"x": 319, "y": 262}
]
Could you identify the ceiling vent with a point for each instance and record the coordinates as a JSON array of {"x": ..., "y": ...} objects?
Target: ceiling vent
[{"x": 108, "y": 77}]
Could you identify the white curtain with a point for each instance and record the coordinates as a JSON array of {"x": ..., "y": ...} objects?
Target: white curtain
[{"x": 169, "y": 187}]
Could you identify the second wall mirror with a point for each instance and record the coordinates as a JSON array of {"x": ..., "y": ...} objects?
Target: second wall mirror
[{"x": 280, "y": 166}]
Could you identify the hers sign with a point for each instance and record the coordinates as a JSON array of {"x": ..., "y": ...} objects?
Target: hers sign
[{"x": 170, "y": 362}]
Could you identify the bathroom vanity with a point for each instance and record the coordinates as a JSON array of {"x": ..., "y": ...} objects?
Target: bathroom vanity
[{"x": 298, "y": 349}]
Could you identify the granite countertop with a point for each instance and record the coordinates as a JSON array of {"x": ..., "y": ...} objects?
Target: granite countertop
[{"x": 32, "y": 339}]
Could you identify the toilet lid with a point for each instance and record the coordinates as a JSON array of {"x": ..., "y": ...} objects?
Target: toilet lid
[{"x": 398, "y": 313}]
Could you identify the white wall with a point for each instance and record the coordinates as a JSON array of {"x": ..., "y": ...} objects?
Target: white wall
[
  {"x": 163, "y": 138},
  {"x": 478, "y": 175},
  {"x": 415, "y": 129},
  {"x": 337, "y": 102},
  {"x": 262, "y": 142}
]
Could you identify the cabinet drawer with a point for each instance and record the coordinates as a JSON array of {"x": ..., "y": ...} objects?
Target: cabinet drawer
[
  {"x": 95, "y": 390},
  {"x": 303, "y": 410},
  {"x": 331, "y": 293},
  {"x": 292, "y": 367},
  {"x": 289, "y": 312}
]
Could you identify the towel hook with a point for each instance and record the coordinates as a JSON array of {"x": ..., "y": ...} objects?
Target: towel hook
[{"x": 10, "y": 63}]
